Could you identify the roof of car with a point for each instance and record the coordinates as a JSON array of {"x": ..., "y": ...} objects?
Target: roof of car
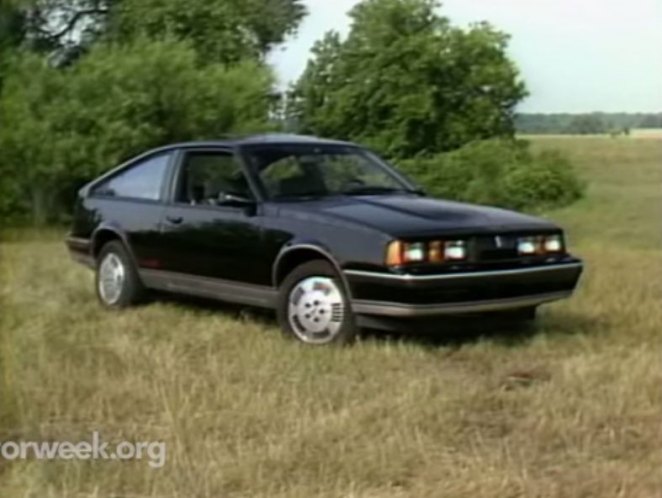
[
  {"x": 264, "y": 139},
  {"x": 235, "y": 141}
]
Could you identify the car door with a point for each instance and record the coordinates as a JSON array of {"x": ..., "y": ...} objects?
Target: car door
[{"x": 211, "y": 227}]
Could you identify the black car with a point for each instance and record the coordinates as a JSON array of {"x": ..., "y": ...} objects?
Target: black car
[{"x": 322, "y": 231}]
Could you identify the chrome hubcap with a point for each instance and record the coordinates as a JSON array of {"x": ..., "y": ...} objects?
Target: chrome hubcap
[
  {"x": 111, "y": 278},
  {"x": 316, "y": 310}
]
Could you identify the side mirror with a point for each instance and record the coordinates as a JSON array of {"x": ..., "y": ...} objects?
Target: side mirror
[{"x": 227, "y": 199}]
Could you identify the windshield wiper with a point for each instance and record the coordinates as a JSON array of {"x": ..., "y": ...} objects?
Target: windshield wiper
[{"x": 301, "y": 196}]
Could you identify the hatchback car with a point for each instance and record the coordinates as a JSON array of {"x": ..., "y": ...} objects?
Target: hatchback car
[{"x": 324, "y": 232}]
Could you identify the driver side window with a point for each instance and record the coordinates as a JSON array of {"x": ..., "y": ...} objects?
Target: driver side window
[{"x": 206, "y": 175}]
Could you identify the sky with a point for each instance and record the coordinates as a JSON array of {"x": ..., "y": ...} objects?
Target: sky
[{"x": 575, "y": 55}]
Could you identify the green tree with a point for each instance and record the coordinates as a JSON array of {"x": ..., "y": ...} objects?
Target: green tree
[
  {"x": 406, "y": 82},
  {"x": 587, "y": 124},
  {"x": 61, "y": 126},
  {"x": 225, "y": 31},
  {"x": 12, "y": 32},
  {"x": 651, "y": 121},
  {"x": 220, "y": 30}
]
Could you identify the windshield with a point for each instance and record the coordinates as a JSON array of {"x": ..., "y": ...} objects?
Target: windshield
[{"x": 298, "y": 171}]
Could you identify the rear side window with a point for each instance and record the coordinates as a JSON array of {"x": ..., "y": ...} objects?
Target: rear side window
[{"x": 143, "y": 181}]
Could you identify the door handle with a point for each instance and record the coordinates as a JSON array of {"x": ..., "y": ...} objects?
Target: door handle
[{"x": 175, "y": 220}]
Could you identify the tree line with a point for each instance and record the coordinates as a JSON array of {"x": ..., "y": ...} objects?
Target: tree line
[
  {"x": 85, "y": 84},
  {"x": 586, "y": 124}
]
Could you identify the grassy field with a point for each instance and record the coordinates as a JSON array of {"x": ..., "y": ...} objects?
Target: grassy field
[{"x": 570, "y": 409}]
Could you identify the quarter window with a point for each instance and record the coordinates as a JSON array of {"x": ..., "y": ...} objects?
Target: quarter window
[{"x": 143, "y": 181}]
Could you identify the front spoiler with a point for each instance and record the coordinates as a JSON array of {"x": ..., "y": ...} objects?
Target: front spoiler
[
  {"x": 424, "y": 310},
  {"x": 410, "y": 296}
]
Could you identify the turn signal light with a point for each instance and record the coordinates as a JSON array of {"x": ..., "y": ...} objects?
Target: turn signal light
[
  {"x": 437, "y": 251},
  {"x": 394, "y": 256}
]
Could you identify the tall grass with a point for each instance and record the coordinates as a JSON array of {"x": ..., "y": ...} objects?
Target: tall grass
[
  {"x": 8, "y": 408},
  {"x": 569, "y": 409}
]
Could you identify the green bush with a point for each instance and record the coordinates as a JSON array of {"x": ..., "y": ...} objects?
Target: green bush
[
  {"x": 498, "y": 172},
  {"x": 66, "y": 125}
]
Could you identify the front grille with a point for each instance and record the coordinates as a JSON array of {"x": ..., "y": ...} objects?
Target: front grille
[
  {"x": 483, "y": 290},
  {"x": 491, "y": 248}
]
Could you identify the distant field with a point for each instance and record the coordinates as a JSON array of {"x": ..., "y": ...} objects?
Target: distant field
[
  {"x": 570, "y": 409},
  {"x": 647, "y": 133},
  {"x": 653, "y": 133}
]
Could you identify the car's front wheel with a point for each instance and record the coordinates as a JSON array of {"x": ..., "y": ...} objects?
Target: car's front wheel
[
  {"x": 313, "y": 306},
  {"x": 117, "y": 282}
]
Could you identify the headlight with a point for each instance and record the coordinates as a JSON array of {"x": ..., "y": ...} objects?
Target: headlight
[
  {"x": 440, "y": 252},
  {"x": 547, "y": 244},
  {"x": 455, "y": 251},
  {"x": 553, "y": 243},
  {"x": 399, "y": 253},
  {"x": 414, "y": 253},
  {"x": 529, "y": 246}
]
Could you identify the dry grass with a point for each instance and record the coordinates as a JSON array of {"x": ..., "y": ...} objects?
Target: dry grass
[
  {"x": 570, "y": 410},
  {"x": 653, "y": 133}
]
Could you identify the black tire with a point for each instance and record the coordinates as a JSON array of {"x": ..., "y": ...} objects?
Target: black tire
[
  {"x": 131, "y": 290},
  {"x": 347, "y": 331}
]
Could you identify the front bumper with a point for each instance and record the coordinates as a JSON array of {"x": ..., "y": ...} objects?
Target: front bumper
[{"x": 406, "y": 295}]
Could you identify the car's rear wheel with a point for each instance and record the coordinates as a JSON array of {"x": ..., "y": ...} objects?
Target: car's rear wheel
[
  {"x": 117, "y": 282},
  {"x": 313, "y": 306}
]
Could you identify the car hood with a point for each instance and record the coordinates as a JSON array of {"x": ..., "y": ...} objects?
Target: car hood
[{"x": 411, "y": 215}]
